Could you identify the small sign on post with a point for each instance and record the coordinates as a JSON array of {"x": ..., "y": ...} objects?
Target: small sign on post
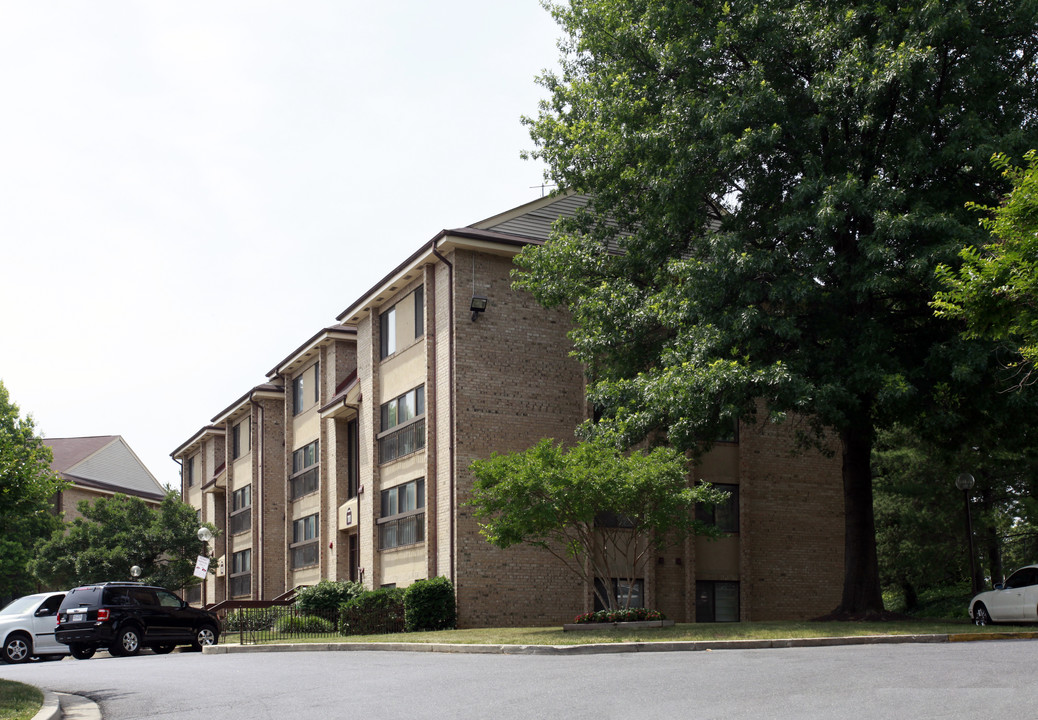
[{"x": 201, "y": 566}]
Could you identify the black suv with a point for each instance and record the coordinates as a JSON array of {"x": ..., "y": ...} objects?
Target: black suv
[{"x": 124, "y": 617}]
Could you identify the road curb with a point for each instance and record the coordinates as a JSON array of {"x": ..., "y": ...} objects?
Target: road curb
[
  {"x": 608, "y": 648},
  {"x": 975, "y": 637},
  {"x": 51, "y": 709}
]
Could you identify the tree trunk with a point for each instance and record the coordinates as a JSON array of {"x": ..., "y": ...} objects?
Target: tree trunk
[
  {"x": 992, "y": 545},
  {"x": 861, "y": 588}
]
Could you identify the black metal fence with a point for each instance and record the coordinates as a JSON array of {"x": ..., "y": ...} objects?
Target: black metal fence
[{"x": 281, "y": 623}]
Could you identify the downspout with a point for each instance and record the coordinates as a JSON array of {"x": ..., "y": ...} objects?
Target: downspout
[
  {"x": 450, "y": 398},
  {"x": 257, "y": 457}
]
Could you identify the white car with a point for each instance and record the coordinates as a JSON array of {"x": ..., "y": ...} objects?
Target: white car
[
  {"x": 27, "y": 628},
  {"x": 1015, "y": 600}
]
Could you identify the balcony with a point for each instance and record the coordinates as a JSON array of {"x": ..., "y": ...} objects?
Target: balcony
[{"x": 403, "y": 441}]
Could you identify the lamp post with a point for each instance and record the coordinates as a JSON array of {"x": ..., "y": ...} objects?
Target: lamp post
[{"x": 965, "y": 483}]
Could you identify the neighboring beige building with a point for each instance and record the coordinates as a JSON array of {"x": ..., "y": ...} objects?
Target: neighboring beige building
[
  {"x": 99, "y": 467},
  {"x": 351, "y": 461}
]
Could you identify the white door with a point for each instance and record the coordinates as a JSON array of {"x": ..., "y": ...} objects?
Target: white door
[{"x": 44, "y": 619}]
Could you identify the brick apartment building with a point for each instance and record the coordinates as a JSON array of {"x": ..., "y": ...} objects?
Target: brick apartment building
[{"x": 351, "y": 460}]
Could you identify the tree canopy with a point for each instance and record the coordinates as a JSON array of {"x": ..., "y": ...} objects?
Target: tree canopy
[
  {"x": 781, "y": 180},
  {"x": 116, "y": 533},
  {"x": 573, "y": 502},
  {"x": 27, "y": 490},
  {"x": 995, "y": 291}
]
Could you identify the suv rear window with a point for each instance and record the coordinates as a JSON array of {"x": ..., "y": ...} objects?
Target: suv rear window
[{"x": 88, "y": 596}]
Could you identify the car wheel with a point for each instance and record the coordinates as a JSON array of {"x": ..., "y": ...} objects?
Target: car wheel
[
  {"x": 980, "y": 615},
  {"x": 205, "y": 635},
  {"x": 127, "y": 642},
  {"x": 82, "y": 652},
  {"x": 17, "y": 648},
  {"x": 162, "y": 649}
]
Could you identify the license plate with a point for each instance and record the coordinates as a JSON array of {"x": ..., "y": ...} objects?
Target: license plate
[{"x": 76, "y": 617}]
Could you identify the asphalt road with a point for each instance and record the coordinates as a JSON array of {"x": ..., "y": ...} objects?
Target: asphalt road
[{"x": 956, "y": 680}]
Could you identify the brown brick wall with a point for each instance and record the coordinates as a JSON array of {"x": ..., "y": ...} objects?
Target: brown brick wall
[{"x": 515, "y": 385}]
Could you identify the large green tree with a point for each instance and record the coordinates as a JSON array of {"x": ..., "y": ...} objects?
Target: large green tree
[
  {"x": 572, "y": 502},
  {"x": 781, "y": 178},
  {"x": 116, "y": 533},
  {"x": 996, "y": 290},
  {"x": 27, "y": 489}
]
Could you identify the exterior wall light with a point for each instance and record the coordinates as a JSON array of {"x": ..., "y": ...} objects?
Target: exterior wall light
[{"x": 478, "y": 305}]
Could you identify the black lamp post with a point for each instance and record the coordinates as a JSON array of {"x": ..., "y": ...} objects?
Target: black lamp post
[{"x": 965, "y": 483}]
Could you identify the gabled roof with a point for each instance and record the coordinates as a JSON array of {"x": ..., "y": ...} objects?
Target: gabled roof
[
  {"x": 504, "y": 234},
  {"x": 302, "y": 353},
  {"x": 103, "y": 462},
  {"x": 198, "y": 437}
]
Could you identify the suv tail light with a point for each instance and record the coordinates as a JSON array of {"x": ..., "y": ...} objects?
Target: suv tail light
[{"x": 102, "y": 614}]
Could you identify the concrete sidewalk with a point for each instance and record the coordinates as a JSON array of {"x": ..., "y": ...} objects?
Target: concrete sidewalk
[
  {"x": 58, "y": 706},
  {"x": 604, "y": 648}
]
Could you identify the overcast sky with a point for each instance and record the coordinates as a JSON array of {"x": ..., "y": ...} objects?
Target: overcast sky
[{"x": 189, "y": 190}]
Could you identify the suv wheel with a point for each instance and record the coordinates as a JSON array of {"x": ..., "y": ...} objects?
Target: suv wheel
[
  {"x": 127, "y": 642},
  {"x": 17, "y": 648},
  {"x": 205, "y": 635},
  {"x": 82, "y": 652}
]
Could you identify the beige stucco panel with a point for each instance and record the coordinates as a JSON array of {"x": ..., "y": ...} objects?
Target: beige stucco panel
[
  {"x": 403, "y": 566},
  {"x": 402, "y": 372},
  {"x": 403, "y": 470},
  {"x": 306, "y": 427}
]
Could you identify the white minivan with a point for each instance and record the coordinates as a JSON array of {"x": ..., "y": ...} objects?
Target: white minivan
[{"x": 27, "y": 628}]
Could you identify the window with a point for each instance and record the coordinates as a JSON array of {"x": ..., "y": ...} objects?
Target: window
[
  {"x": 297, "y": 394},
  {"x": 189, "y": 471},
  {"x": 403, "y": 515},
  {"x": 240, "y": 439},
  {"x": 387, "y": 331},
  {"x": 241, "y": 573},
  {"x": 717, "y": 601},
  {"x": 724, "y": 515},
  {"x": 241, "y": 510},
  {"x": 419, "y": 312},
  {"x": 1024, "y": 577},
  {"x": 620, "y": 589},
  {"x": 405, "y": 412},
  {"x": 305, "y": 477},
  {"x": 304, "y": 547},
  {"x": 352, "y": 458}
]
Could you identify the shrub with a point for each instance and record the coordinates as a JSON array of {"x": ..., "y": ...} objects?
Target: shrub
[
  {"x": 373, "y": 612},
  {"x": 327, "y": 595},
  {"x": 303, "y": 624},
  {"x": 251, "y": 619},
  {"x": 608, "y": 616},
  {"x": 429, "y": 605}
]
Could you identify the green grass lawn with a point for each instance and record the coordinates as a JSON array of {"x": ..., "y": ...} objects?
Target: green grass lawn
[
  {"x": 18, "y": 701},
  {"x": 680, "y": 632}
]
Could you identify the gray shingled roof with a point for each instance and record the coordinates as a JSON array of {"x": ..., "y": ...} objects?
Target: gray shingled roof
[{"x": 105, "y": 462}]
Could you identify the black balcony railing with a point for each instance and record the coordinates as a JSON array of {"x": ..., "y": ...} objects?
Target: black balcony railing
[
  {"x": 303, "y": 484},
  {"x": 241, "y": 585},
  {"x": 304, "y": 555},
  {"x": 241, "y": 521},
  {"x": 402, "y": 531},
  {"x": 404, "y": 441}
]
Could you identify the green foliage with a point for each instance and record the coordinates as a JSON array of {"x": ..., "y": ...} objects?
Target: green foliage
[
  {"x": 117, "y": 533},
  {"x": 613, "y": 616},
  {"x": 373, "y": 612},
  {"x": 556, "y": 499},
  {"x": 251, "y": 619},
  {"x": 783, "y": 179},
  {"x": 27, "y": 489},
  {"x": 430, "y": 605},
  {"x": 995, "y": 289},
  {"x": 310, "y": 624},
  {"x": 327, "y": 595}
]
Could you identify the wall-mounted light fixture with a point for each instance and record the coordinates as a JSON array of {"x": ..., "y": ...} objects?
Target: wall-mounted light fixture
[{"x": 478, "y": 305}]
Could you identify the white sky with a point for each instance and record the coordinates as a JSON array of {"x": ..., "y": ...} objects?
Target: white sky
[{"x": 189, "y": 190}]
